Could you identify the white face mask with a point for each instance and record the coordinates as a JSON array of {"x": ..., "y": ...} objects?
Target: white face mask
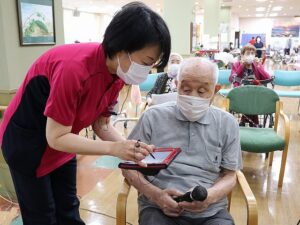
[
  {"x": 193, "y": 108},
  {"x": 136, "y": 73},
  {"x": 249, "y": 59},
  {"x": 173, "y": 70}
]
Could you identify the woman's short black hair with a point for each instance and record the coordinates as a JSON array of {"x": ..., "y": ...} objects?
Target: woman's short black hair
[{"x": 134, "y": 27}]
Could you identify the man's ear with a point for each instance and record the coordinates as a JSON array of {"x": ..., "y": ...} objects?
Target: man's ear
[{"x": 217, "y": 88}]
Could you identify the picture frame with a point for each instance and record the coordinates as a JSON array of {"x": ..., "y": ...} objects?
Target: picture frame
[{"x": 36, "y": 22}]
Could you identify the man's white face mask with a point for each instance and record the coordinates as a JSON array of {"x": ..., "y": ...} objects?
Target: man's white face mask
[
  {"x": 193, "y": 108},
  {"x": 136, "y": 73},
  {"x": 173, "y": 70}
]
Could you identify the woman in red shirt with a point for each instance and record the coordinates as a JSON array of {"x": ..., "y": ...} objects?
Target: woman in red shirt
[{"x": 65, "y": 90}]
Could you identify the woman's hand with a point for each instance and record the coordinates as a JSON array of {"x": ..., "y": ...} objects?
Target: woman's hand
[
  {"x": 166, "y": 202},
  {"x": 132, "y": 150}
]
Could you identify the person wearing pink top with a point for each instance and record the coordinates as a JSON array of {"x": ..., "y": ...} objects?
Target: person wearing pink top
[
  {"x": 250, "y": 69},
  {"x": 65, "y": 90}
]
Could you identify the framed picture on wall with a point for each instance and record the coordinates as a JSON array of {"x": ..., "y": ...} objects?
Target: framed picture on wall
[{"x": 36, "y": 22}]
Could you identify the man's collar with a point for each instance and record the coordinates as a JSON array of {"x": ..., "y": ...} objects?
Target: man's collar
[{"x": 203, "y": 120}]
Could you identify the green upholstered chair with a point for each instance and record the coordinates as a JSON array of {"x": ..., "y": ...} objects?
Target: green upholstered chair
[{"x": 258, "y": 100}]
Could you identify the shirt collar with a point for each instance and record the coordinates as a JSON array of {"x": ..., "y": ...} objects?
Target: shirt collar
[{"x": 203, "y": 120}]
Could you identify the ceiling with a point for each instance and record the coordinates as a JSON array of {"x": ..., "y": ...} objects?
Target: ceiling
[
  {"x": 244, "y": 8},
  {"x": 264, "y": 8}
]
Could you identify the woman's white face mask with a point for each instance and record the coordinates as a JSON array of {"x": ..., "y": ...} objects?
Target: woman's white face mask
[
  {"x": 249, "y": 59},
  {"x": 173, "y": 70},
  {"x": 136, "y": 73},
  {"x": 193, "y": 108}
]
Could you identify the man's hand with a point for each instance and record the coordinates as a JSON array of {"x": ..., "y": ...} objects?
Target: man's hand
[
  {"x": 166, "y": 203},
  {"x": 195, "y": 206}
]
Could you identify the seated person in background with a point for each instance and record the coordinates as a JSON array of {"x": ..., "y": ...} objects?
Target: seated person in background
[
  {"x": 210, "y": 156},
  {"x": 247, "y": 68},
  {"x": 165, "y": 82}
]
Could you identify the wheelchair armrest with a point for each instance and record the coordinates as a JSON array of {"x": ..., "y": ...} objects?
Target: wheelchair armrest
[
  {"x": 121, "y": 203},
  {"x": 252, "y": 217}
]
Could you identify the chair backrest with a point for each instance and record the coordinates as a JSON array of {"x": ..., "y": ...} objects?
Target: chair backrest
[
  {"x": 252, "y": 100},
  {"x": 223, "y": 78},
  {"x": 148, "y": 84},
  {"x": 287, "y": 78}
]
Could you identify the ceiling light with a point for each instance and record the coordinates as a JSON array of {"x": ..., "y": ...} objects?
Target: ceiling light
[
  {"x": 197, "y": 3},
  {"x": 247, "y": 10},
  {"x": 260, "y": 9},
  {"x": 259, "y": 15},
  {"x": 277, "y": 8},
  {"x": 240, "y": 6},
  {"x": 261, "y": 0},
  {"x": 273, "y": 14}
]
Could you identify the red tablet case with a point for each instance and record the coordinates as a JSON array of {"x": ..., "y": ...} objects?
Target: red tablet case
[{"x": 156, "y": 166}]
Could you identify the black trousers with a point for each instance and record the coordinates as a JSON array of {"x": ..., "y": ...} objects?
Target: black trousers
[{"x": 49, "y": 200}]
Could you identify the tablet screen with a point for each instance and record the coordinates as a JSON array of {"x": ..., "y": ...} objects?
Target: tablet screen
[{"x": 159, "y": 157}]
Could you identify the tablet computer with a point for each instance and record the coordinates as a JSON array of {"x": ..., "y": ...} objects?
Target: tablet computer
[{"x": 162, "y": 158}]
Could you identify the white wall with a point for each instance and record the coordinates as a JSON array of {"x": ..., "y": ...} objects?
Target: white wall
[
  {"x": 234, "y": 26},
  {"x": 85, "y": 28},
  {"x": 15, "y": 59}
]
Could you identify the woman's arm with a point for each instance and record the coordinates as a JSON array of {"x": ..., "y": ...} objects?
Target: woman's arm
[
  {"x": 104, "y": 130},
  {"x": 236, "y": 71},
  {"x": 261, "y": 73},
  {"x": 60, "y": 138}
]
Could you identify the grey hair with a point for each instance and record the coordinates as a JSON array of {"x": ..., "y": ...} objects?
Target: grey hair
[
  {"x": 176, "y": 54},
  {"x": 201, "y": 61}
]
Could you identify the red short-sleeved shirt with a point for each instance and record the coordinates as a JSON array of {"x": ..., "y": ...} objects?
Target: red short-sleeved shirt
[{"x": 70, "y": 84}]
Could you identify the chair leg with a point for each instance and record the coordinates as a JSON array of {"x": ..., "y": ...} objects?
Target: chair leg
[
  {"x": 271, "y": 158},
  {"x": 282, "y": 167}
]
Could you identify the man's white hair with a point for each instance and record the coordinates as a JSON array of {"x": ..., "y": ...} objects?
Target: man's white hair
[{"x": 201, "y": 62}]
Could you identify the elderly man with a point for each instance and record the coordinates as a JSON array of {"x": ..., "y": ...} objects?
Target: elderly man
[{"x": 210, "y": 156}]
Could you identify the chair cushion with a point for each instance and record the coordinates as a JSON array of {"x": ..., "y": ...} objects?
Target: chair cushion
[
  {"x": 260, "y": 140},
  {"x": 290, "y": 94}
]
